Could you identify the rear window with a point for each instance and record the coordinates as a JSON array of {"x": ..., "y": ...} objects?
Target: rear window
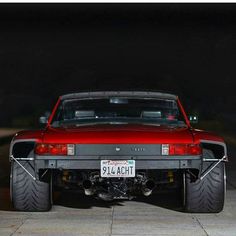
[{"x": 118, "y": 109}]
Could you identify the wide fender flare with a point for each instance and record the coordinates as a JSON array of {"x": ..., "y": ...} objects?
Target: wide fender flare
[
  {"x": 218, "y": 143},
  {"x": 17, "y": 141}
]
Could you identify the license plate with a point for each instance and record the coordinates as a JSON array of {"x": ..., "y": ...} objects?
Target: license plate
[{"x": 117, "y": 168}]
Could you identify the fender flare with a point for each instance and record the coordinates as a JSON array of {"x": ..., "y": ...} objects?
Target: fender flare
[
  {"x": 13, "y": 142},
  {"x": 222, "y": 144}
]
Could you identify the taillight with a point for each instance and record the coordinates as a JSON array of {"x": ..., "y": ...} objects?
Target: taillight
[
  {"x": 194, "y": 149},
  {"x": 41, "y": 148},
  {"x": 181, "y": 149},
  {"x": 54, "y": 149}
]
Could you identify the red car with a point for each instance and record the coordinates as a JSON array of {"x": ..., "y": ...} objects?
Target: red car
[{"x": 115, "y": 145}]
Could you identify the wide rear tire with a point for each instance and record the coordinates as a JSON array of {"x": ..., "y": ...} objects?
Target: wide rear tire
[
  {"x": 207, "y": 195},
  {"x": 28, "y": 194}
]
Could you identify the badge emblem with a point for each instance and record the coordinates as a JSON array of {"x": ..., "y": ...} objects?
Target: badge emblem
[{"x": 117, "y": 149}]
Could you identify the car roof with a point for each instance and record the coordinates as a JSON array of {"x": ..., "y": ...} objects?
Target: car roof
[{"x": 105, "y": 94}]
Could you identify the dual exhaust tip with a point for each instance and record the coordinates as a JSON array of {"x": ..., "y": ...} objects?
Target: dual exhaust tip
[
  {"x": 88, "y": 187},
  {"x": 147, "y": 187}
]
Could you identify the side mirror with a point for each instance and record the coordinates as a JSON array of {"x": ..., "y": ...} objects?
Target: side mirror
[
  {"x": 193, "y": 119},
  {"x": 43, "y": 120}
]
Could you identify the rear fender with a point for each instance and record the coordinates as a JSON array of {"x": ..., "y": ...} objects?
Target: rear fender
[
  {"x": 22, "y": 149},
  {"x": 218, "y": 148},
  {"x": 219, "y": 151}
]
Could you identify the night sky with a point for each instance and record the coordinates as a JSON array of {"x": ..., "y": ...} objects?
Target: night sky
[{"x": 47, "y": 50}]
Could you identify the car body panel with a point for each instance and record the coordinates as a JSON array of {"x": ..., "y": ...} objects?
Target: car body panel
[
  {"x": 201, "y": 134},
  {"x": 117, "y": 134},
  {"x": 29, "y": 134}
]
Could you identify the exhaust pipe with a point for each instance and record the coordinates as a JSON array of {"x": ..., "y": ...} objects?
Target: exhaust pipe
[
  {"x": 147, "y": 187},
  {"x": 88, "y": 187},
  {"x": 105, "y": 196}
]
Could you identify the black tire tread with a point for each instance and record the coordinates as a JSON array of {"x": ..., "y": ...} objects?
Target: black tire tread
[
  {"x": 28, "y": 194},
  {"x": 207, "y": 195}
]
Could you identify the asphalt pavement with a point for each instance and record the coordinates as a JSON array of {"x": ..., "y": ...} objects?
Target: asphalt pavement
[{"x": 75, "y": 214}]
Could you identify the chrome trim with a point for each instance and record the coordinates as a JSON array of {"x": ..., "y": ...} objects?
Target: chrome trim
[
  {"x": 206, "y": 159},
  {"x": 24, "y": 159}
]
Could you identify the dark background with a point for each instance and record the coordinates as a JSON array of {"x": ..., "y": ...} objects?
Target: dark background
[{"x": 51, "y": 49}]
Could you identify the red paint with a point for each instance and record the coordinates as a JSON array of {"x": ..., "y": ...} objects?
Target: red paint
[
  {"x": 204, "y": 135},
  {"x": 53, "y": 112},
  {"x": 183, "y": 112},
  {"x": 118, "y": 134},
  {"x": 29, "y": 134}
]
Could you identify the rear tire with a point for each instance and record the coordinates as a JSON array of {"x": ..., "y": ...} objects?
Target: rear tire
[
  {"x": 207, "y": 195},
  {"x": 28, "y": 194}
]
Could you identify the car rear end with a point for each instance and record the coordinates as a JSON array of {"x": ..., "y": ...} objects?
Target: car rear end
[{"x": 117, "y": 145}]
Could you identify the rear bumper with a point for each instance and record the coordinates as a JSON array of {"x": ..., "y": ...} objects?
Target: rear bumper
[{"x": 141, "y": 162}]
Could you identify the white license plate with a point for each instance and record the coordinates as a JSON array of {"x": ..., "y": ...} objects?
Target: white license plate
[{"x": 117, "y": 168}]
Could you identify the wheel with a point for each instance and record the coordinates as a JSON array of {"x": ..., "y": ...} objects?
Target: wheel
[
  {"x": 207, "y": 195},
  {"x": 28, "y": 194}
]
